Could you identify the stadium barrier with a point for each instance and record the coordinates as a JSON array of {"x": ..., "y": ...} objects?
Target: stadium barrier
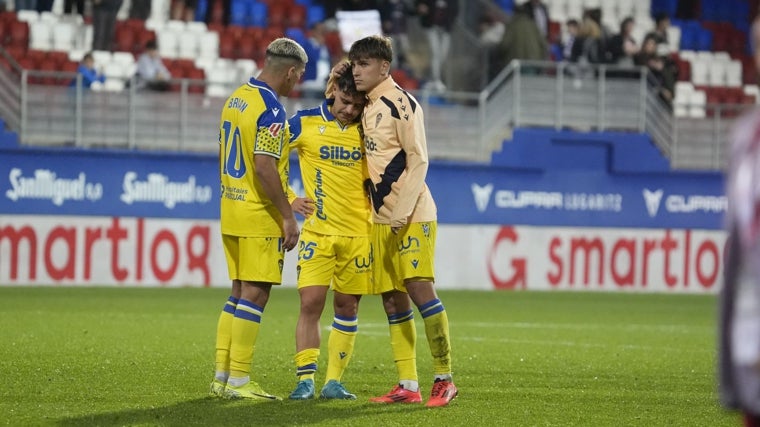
[{"x": 126, "y": 218}]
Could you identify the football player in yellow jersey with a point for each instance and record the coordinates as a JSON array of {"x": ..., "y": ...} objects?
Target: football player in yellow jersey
[
  {"x": 404, "y": 220},
  {"x": 257, "y": 221},
  {"x": 334, "y": 246}
]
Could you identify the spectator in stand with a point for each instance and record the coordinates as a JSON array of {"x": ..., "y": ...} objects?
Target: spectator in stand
[
  {"x": 88, "y": 72},
  {"x": 318, "y": 68},
  {"x": 25, "y": 5},
  {"x": 663, "y": 70},
  {"x": 393, "y": 14},
  {"x": 492, "y": 31},
  {"x": 622, "y": 46},
  {"x": 589, "y": 41},
  {"x": 68, "y": 6},
  {"x": 139, "y": 9},
  {"x": 569, "y": 40},
  {"x": 540, "y": 14},
  {"x": 437, "y": 18},
  {"x": 151, "y": 71},
  {"x": 522, "y": 39},
  {"x": 660, "y": 32},
  {"x": 104, "y": 23},
  {"x": 184, "y": 10},
  {"x": 226, "y": 4}
]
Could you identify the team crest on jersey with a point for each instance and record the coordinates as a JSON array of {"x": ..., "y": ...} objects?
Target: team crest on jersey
[
  {"x": 274, "y": 129},
  {"x": 378, "y": 118},
  {"x": 280, "y": 263},
  {"x": 426, "y": 230},
  {"x": 298, "y": 271},
  {"x": 322, "y": 129}
]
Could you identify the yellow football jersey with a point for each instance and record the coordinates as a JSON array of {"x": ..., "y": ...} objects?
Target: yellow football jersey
[
  {"x": 253, "y": 122},
  {"x": 331, "y": 157}
]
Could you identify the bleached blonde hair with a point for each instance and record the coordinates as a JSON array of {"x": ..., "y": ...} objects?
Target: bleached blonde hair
[{"x": 286, "y": 49}]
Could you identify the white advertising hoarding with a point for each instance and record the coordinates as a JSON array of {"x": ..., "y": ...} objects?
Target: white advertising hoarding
[{"x": 61, "y": 250}]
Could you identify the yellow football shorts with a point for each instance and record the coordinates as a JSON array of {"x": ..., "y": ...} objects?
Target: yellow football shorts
[
  {"x": 343, "y": 261},
  {"x": 254, "y": 259},
  {"x": 398, "y": 258}
]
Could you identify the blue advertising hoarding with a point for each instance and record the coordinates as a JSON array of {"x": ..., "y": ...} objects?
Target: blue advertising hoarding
[{"x": 171, "y": 185}]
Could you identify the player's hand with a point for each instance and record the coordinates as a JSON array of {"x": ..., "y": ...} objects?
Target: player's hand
[
  {"x": 303, "y": 205},
  {"x": 291, "y": 232},
  {"x": 397, "y": 225},
  {"x": 339, "y": 69}
]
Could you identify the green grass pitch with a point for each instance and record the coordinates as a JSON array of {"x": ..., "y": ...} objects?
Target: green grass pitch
[{"x": 131, "y": 356}]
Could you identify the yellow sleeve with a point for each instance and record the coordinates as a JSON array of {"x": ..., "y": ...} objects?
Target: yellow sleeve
[{"x": 290, "y": 194}]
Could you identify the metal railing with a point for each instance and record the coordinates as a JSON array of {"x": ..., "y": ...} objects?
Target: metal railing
[{"x": 463, "y": 126}]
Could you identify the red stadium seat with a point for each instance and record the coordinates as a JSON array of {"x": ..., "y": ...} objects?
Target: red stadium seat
[
  {"x": 59, "y": 57},
  {"x": 48, "y": 65},
  {"x": 18, "y": 34},
  {"x": 124, "y": 39},
  {"x": 278, "y": 13},
  {"x": 226, "y": 47},
  {"x": 142, "y": 38},
  {"x": 297, "y": 16},
  {"x": 246, "y": 48}
]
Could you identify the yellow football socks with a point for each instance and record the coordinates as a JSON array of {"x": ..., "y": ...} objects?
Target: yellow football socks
[
  {"x": 340, "y": 346},
  {"x": 403, "y": 342},
  {"x": 245, "y": 329},
  {"x": 306, "y": 363}
]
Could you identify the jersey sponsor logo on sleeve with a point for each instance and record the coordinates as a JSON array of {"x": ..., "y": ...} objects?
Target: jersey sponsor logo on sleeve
[{"x": 274, "y": 129}]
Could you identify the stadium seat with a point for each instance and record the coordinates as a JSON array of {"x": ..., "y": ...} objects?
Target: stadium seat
[
  {"x": 277, "y": 15},
  {"x": 697, "y": 102},
  {"x": 751, "y": 93},
  {"x": 297, "y": 16},
  {"x": 63, "y": 34},
  {"x": 227, "y": 47},
  {"x": 59, "y": 57},
  {"x": 699, "y": 72},
  {"x": 40, "y": 36},
  {"x": 716, "y": 73},
  {"x": 246, "y": 68},
  {"x": 683, "y": 92},
  {"x": 314, "y": 14},
  {"x": 196, "y": 27},
  {"x": 101, "y": 58},
  {"x": 208, "y": 45},
  {"x": 142, "y": 38},
  {"x": 258, "y": 15},
  {"x": 123, "y": 58},
  {"x": 28, "y": 16},
  {"x": 124, "y": 39},
  {"x": 733, "y": 73},
  {"x": 187, "y": 45},
  {"x": 168, "y": 43}
]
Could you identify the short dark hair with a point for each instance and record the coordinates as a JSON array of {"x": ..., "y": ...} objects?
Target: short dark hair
[
  {"x": 624, "y": 23},
  {"x": 659, "y": 17},
  {"x": 347, "y": 84},
  {"x": 372, "y": 47},
  {"x": 87, "y": 56},
  {"x": 151, "y": 45}
]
